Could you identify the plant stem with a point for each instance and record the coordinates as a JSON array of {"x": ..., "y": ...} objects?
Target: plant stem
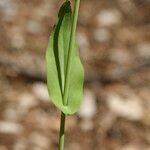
[
  {"x": 71, "y": 44},
  {"x": 62, "y": 132},
  {"x": 67, "y": 78}
]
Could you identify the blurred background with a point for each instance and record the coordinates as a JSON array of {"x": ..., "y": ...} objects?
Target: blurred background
[{"x": 114, "y": 41}]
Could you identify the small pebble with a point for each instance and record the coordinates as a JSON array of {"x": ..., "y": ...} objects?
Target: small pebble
[
  {"x": 73, "y": 146},
  {"x": 109, "y": 17},
  {"x": 120, "y": 56},
  {"x": 27, "y": 101},
  {"x": 11, "y": 114},
  {"x": 127, "y": 106},
  {"x": 39, "y": 140},
  {"x": 144, "y": 50},
  {"x": 134, "y": 147},
  {"x": 40, "y": 91},
  {"x": 88, "y": 110},
  {"x": 20, "y": 145},
  {"x": 82, "y": 40},
  {"x": 10, "y": 127},
  {"x": 17, "y": 38},
  {"x": 33, "y": 27},
  {"x": 102, "y": 35},
  {"x": 128, "y": 6},
  {"x": 88, "y": 107},
  {"x": 86, "y": 125},
  {"x": 9, "y": 9}
]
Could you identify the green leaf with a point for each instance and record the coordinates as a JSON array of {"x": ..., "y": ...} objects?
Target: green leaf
[{"x": 57, "y": 63}]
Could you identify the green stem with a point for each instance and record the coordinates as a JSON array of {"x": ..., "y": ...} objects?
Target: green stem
[
  {"x": 71, "y": 44},
  {"x": 67, "y": 78},
  {"x": 62, "y": 132}
]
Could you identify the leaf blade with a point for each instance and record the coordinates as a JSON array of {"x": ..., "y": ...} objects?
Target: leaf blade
[{"x": 56, "y": 58}]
